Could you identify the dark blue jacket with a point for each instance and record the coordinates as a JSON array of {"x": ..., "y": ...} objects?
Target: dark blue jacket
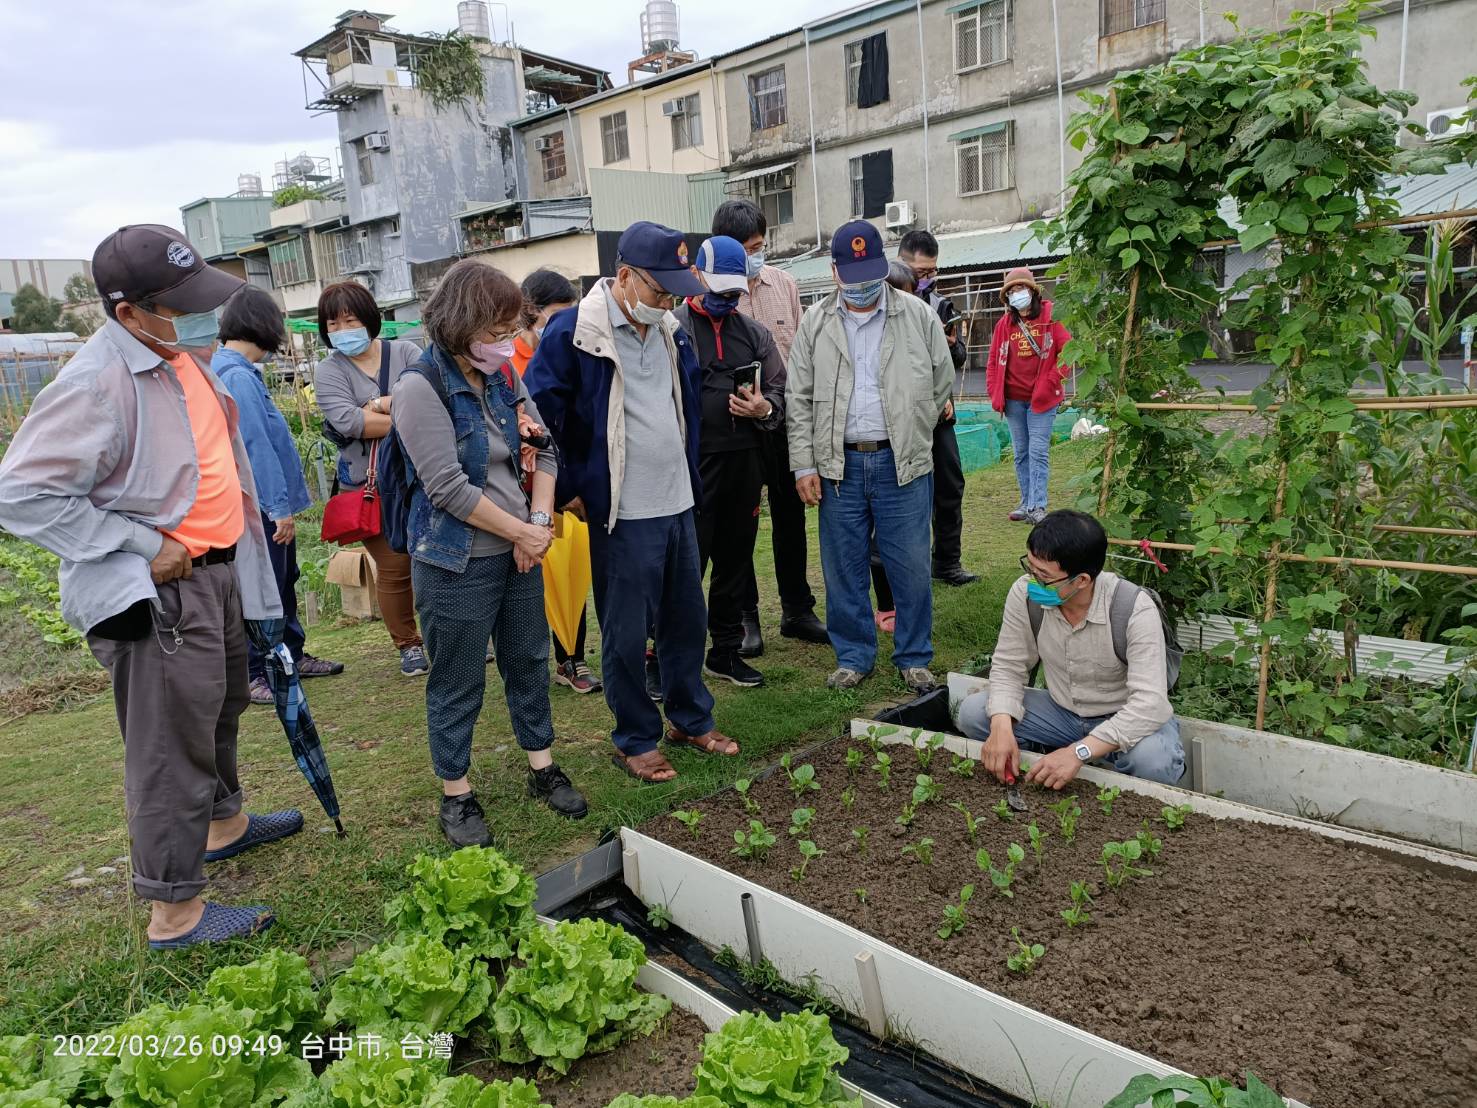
[{"x": 571, "y": 378}]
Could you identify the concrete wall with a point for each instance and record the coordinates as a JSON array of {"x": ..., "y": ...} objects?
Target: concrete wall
[
  {"x": 574, "y": 256},
  {"x": 50, "y": 275},
  {"x": 531, "y": 183},
  {"x": 649, "y": 133}
]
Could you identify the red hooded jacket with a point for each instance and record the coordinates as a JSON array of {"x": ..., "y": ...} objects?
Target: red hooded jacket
[{"x": 1048, "y": 392}]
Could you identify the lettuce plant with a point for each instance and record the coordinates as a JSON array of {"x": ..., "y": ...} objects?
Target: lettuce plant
[
  {"x": 26, "y": 1080},
  {"x": 630, "y": 1100},
  {"x": 386, "y": 1078},
  {"x": 1026, "y": 955},
  {"x": 1105, "y": 798},
  {"x": 1174, "y": 816},
  {"x": 753, "y": 1061},
  {"x": 275, "y": 993},
  {"x": 474, "y": 898},
  {"x": 922, "y": 850},
  {"x": 883, "y": 766},
  {"x": 753, "y": 842},
  {"x": 573, "y": 994},
  {"x": 954, "y": 916},
  {"x": 419, "y": 981},
  {"x": 467, "y": 1091},
  {"x": 800, "y": 821},
  {"x": 855, "y": 759}
]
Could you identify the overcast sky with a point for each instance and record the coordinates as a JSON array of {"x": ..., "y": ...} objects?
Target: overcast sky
[{"x": 119, "y": 111}]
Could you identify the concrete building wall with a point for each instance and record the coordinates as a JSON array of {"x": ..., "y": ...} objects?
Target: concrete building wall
[
  {"x": 531, "y": 180},
  {"x": 50, "y": 275},
  {"x": 574, "y": 256},
  {"x": 649, "y": 134}
]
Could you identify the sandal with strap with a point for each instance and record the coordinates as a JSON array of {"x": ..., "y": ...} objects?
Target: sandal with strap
[
  {"x": 714, "y": 742},
  {"x": 645, "y": 767}
]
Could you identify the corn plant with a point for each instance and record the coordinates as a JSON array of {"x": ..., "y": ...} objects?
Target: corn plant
[
  {"x": 927, "y": 749},
  {"x": 962, "y": 766},
  {"x": 922, "y": 850},
  {"x": 800, "y": 820},
  {"x": 855, "y": 759},
  {"x": 1003, "y": 813},
  {"x": 1001, "y": 879},
  {"x": 1078, "y": 915},
  {"x": 859, "y": 836},
  {"x": 954, "y": 918},
  {"x": 971, "y": 825},
  {"x": 924, "y": 790},
  {"x": 905, "y": 817},
  {"x": 742, "y": 787},
  {"x": 883, "y": 766},
  {"x": 1118, "y": 863},
  {"x": 1105, "y": 798},
  {"x": 802, "y": 779},
  {"x": 809, "y": 852},
  {"x": 1038, "y": 840},
  {"x": 1149, "y": 842},
  {"x": 753, "y": 841},
  {"x": 1068, "y": 812},
  {"x": 1026, "y": 957},
  {"x": 1174, "y": 817},
  {"x": 848, "y": 797},
  {"x": 689, "y": 820}
]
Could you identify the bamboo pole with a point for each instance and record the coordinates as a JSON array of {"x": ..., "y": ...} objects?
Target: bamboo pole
[
  {"x": 1371, "y": 224},
  {"x": 1452, "y": 532},
  {"x": 1366, "y": 563},
  {"x": 1411, "y": 404},
  {"x": 1112, "y": 444},
  {"x": 1269, "y": 601}
]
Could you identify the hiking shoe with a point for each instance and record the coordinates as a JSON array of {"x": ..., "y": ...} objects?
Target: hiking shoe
[
  {"x": 1035, "y": 516},
  {"x": 462, "y": 821},
  {"x": 318, "y": 667},
  {"x": 653, "y": 677},
  {"x": 1020, "y": 515},
  {"x": 261, "y": 692},
  {"x": 413, "y": 662},
  {"x": 805, "y": 627},
  {"x": 552, "y": 785},
  {"x": 753, "y": 644},
  {"x": 577, "y": 676},
  {"x": 732, "y": 668},
  {"x": 918, "y": 680},
  {"x": 845, "y": 678}
]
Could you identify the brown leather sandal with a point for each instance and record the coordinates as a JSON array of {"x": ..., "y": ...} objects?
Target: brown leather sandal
[
  {"x": 714, "y": 742},
  {"x": 645, "y": 767}
]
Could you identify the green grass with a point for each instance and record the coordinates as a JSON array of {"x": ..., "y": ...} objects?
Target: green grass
[{"x": 74, "y": 959}]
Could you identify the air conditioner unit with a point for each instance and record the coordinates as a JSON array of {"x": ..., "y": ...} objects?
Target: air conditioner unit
[
  {"x": 378, "y": 140},
  {"x": 512, "y": 234},
  {"x": 544, "y": 142},
  {"x": 673, "y": 107},
  {"x": 900, "y": 213},
  {"x": 1448, "y": 122}
]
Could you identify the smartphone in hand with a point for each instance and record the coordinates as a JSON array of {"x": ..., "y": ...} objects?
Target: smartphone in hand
[{"x": 747, "y": 376}]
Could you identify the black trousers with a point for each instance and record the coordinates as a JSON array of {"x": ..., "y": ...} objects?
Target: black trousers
[
  {"x": 726, "y": 529},
  {"x": 948, "y": 499},
  {"x": 560, "y": 654},
  {"x": 787, "y": 521}
]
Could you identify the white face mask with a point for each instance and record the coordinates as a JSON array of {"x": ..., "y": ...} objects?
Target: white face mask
[
  {"x": 1020, "y": 299},
  {"x": 642, "y": 313}
]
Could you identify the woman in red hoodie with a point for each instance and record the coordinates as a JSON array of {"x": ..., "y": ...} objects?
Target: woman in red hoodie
[{"x": 1024, "y": 380}]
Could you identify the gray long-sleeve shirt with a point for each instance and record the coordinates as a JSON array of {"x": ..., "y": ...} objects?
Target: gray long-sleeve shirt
[
  {"x": 425, "y": 429},
  {"x": 342, "y": 389}
]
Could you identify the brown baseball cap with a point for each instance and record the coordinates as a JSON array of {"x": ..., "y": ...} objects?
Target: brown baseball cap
[{"x": 146, "y": 261}]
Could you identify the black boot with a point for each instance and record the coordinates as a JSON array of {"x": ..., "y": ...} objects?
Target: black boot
[
  {"x": 653, "y": 677},
  {"x": 462, "y": 821},
  {"x": 732, "y": 668},
  {"x": 805, "y": 627},
  {"x": 552, "y": 785},
  {"x": 753, "y": 644}
]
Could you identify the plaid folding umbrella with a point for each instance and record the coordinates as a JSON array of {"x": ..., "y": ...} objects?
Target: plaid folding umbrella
[{"x": 292, "y": 710}]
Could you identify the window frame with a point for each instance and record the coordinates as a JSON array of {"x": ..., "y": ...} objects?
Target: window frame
[
  {"x": 296, "y": 270},
  {"x": 1137, "y": 9},
  {"x": 976, "y": 14},
  {"x": 976, "y": 146},
  {"x": 682, "y": 129},
  {"x": 608, "y": 133},
  {"x": 856, "y": 178},
  {"x": 763, "y": 193},
  {"x": 780, "y": 92},
  {"x": 546, "y": 157},
  {"x": 364, "y": 162},
  {"x": 852, "y": 60}
]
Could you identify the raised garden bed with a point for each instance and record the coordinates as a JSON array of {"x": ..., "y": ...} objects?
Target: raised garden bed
[{"x": 1332, "y": 968}]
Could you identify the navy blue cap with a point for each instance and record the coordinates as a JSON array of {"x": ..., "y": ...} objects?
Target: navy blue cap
[
  {"x": 661, "y": 252},
  {"x": 856, "y": 248}
]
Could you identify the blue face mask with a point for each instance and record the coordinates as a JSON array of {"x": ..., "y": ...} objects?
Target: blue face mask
[
  {"x": 1048, "y": 596},
  {"x": 719, "y": 306},
  {"x": 864, "y": 295},
  {"x": 196, "y": 331},
  {"x": 353, "y": 342},
  {"x": 754, "y": 264}
]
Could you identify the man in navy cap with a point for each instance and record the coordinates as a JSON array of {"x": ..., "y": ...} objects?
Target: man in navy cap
[
  {"x": 617, "y": 382},
  {"x": 131, "y": 468},
  {"x": 869, "y": 376}
]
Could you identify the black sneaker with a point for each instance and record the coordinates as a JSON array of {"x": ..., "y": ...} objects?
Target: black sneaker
[
  {"x": 731, "y": 667},
  {"x": 462, "y": 821},
  {"x": 653, "y": 677},
  {"x": 753, "y": 644},
  {"x": 552, "y": 785}
]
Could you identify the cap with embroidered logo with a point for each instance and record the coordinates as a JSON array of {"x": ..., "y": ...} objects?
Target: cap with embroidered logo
[
  {"x": 147, "y": 261},
  {"x": 856, "y": 248},
  {"x": 662, "y": 253}
]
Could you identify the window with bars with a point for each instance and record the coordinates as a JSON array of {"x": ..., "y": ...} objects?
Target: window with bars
[
  {"x": 776, "y": 199},
  {"x": 289, "y": 261},
  {"x": 614, "y": 143},
  {"x": 980, "y": 35},
  {"x": 1127, "y": 15},
  {"x": 687, "y": 127},
  {"x": 325, "y": 258},
  {"x": 984, "y": 162},
  {"x": 767, "y": 104},
  {"x": 551, "y": 157},
  {"x": 867, "y": 71}
]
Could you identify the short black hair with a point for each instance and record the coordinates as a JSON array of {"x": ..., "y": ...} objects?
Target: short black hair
[
  {"x": 920, "y": 242},
  {"x": 348, "y": 298},
  {"x": 543, "y": 287},
  {"x": 251, "y": 315},
  {"x": 1073, "y": 540},
  {"x": 739, "y": 219},
  {"x": 900, "y": 277}
]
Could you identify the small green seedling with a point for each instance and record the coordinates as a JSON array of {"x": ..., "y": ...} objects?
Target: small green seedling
[
  {"x": 1025, "y": 958},
  {"x": 924, "y": 791},
  {"x": 883, "y": 766},
  {"x": 859, "y": 836},
  {"x": 753, "y": 841},
  {"x": 1105, "y": 798},
  {"x": 659, "y": 917},
  {"x": 1038, "y": 840},
  {"x": 1068, "y": 812},
  {"x": 905, "y": 817},
  {"x": 802, "y": 779},
  {"x": 809, "y": 852},
  {"x": 1001, "y": 879},
  {"x": 742, "y": 787},
  {"x": 848, "y": 797},
  {"x": 1149, "y": 842},
  {"x": 1174, "y": 817},
  {"x": 1003, "y": 813},
  {"x": 855, "y": 759},
  {"x": 689, "y": 820},
  {"x": 962, "y": 766},
  {"x": 861, "y": 896},
  {"x": 954, "y": 918},
  {"x": 921, "y": 851},
  {"x": 971, "y": 825},
  {"x": 800, "y": 820},
  {"x": 1118, "y": 863},
  {"x": 1078, "y": 915},
  {"x": 927, "y": 749}
]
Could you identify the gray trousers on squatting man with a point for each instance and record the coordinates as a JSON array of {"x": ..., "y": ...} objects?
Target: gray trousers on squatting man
[
  {"x": 180, "y": 691},
  {"x": 460, "y": 614}
]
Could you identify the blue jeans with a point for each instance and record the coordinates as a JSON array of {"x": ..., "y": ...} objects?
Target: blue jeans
[
  {"x": 1030, "y": 441},
  {"x": 647, "y": 577},
  {"x": 865, "y": 501},
  {"x": 1048, "y": 726},
  {"x": 460, "y": 614}
]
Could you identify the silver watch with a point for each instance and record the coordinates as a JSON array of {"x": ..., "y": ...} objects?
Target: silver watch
[
  {"x": 1083, "y": 752},
  {"x": 541, "y": 519}
]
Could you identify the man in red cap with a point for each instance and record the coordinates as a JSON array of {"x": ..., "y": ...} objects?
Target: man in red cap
[{"x": 130, "y": 468}]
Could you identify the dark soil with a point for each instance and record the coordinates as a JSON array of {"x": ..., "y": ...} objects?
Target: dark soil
[
  {"x": 660, "y": 1063},
  {"x": 1341, "y": 975}
]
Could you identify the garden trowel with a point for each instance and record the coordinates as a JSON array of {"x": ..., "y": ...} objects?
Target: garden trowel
[{"x": 1013, "y": 797}]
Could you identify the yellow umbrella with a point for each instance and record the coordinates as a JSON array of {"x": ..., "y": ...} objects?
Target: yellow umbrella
[{"x": 566, "y": 569}]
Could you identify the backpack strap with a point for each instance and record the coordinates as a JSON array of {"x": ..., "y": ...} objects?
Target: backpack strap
[
  {"x": 384, "y": 378},
  {"x": 1121, "y": 611}
]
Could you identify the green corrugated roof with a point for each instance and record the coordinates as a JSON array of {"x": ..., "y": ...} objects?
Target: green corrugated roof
[{"x": 996, "y": 247}]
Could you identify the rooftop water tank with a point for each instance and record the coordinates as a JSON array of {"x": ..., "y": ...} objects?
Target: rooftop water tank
[
  {"x": 660, "y": 29},
  {"x": 472, "y": 19},
  {"x": 249, "y": 184}
]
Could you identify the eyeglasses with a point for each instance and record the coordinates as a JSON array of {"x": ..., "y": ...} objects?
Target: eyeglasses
[
  {"x": 924, "y": 274},
  {"x": 1029, "y": 572},
  {"x": 662, "y": 293}
]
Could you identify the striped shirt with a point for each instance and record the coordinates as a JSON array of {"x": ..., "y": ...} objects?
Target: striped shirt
[{"x": 773, "y": 299}]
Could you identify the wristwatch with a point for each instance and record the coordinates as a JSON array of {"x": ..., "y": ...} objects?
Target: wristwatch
[
  {"x": 374, "y": 406},
  {"x": 541, "y": 519},
  {"x": 1083, "y": 752}
]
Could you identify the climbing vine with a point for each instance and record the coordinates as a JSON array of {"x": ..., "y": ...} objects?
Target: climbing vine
[{"x": 450, "y": 71}]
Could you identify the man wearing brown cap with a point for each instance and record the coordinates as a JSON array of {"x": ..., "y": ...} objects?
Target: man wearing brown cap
[{"x": 130, "y": 468}]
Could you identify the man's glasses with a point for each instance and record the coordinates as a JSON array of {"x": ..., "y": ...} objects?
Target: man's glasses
[
  {"x": 925, "y": 274},
  {"x": 669, "y": 297},
  {"x": 1029, "y": 572}
]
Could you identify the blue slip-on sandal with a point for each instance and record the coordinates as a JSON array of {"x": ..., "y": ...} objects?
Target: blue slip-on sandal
[
  {"x": 219, "y": 924},
  {"x": 260, "y": 829}
]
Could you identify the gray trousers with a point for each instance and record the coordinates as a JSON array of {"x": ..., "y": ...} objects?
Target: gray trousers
[{"x": 179, "y": 693}]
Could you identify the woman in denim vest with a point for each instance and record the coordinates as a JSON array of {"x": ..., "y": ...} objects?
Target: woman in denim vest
[{"x": 478, "y": 530}]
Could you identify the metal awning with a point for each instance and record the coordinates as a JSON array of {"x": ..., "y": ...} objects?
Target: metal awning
[
  {"x": 976, "y": 132},
  {"x": 491, "y": 206},
  {"x": 749, "y": 175}
]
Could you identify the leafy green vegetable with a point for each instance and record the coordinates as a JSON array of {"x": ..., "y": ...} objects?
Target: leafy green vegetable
[
  {"x": 742, "y": 787},
  {"x": 1078, "y": 915},
  {"x": 883, "y": 766},
  {"x": 922, "y": 850},
  {"x": 971, "y": 825},
  {"x": 800, "y": 820},
  {"x": 23, "y": 1080},
  {"x": 386, "y": 1079},
  {"x": 474, "y": 898},
  {"x": 1002, "y": 812},
  {"x": 924, "y": 791},
  {"x": 809, "y": 852},
  {"x": 753, "y": 842},
  {"x": 690, "y": 820},
  {"x": 574, "y": 994},
  {"x": 962, "y": 766},
  {"x": 417, "y": 980},
  {"x": 467, "y": 1091},
  {"x": 954, "y": 917},
  {"x": 1207, "y": 1092},
  {"x": 1105, "y": 798},
  {"x": 275, "y": 993},
  {"x": 855, "y": 759},
  {"x": 629, "y": 1100},
  {"x": 1125, "y": 854},
  {"x": 1174, "y": 816},
  {"x": 1026, "y": 956},
  {"x": 753, "y": 1061}
]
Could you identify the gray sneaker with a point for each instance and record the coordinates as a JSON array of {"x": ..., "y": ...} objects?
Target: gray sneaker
[
  {"x": 413, "y": 662},
  {"x": 1035, "y": 516},
  {"x": 845, "y": 678},
  {"x": 919, "y": 680}
]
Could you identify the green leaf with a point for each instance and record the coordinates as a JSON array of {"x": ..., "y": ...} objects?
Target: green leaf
[
  {"x": 1119, "y": 237},
  {"x": 1129, "y": 257},
  {"x": 1253, "y": 238},
  {"x": 1317, "y": 186},
  {"x": 1143, "y": 233},
  {"x": 753, "y": 1061},
  {"x": 1296, "y": 222},
  {"x": 1338, "y": 425},
  {"x": 1131, "y": 134},
  {"x": 473, "y": 898},
  {"x": 418, "y": 981},
  {"x": 274, "y": 992}
]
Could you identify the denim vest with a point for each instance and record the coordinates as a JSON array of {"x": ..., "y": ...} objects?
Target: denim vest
[{"x": 438, "y": 537}]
